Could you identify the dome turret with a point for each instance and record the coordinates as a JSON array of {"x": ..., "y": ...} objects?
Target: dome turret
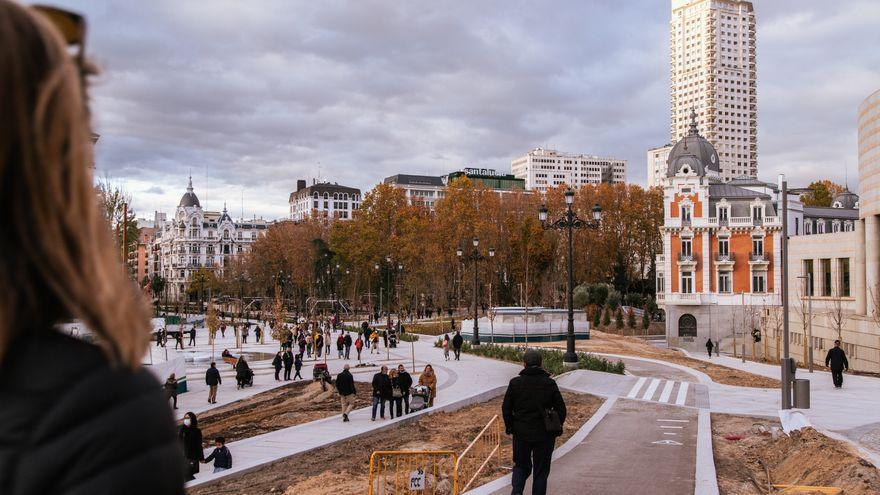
[
  {"x": 694, "y": 152},
  {"x": 189, "y": 198}
]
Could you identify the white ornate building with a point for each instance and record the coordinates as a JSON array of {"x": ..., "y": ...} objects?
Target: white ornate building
[{"x": 194, "y": 238}]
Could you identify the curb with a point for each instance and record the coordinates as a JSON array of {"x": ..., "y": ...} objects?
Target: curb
[{"x": 705, "y": 478}]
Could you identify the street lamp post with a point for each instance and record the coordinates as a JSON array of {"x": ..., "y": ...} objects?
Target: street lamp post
[
  {"x": 568, "y": 222},
  {"x": 475, "y": 257}
]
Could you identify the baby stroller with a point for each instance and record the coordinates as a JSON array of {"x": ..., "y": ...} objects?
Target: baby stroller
[
  {"x": 392, "y": 340},
  {"x": 245, "y": 378},
  {"x": 420, "y": 397}
]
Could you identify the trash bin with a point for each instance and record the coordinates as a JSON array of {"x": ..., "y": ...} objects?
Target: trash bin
[{"x": 801, "y": 393}]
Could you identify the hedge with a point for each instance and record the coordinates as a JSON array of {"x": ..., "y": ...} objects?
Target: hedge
[{"x": 552, "y": 358}]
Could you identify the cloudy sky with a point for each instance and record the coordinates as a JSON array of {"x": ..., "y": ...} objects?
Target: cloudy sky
[{"x": 251, "y": 96}]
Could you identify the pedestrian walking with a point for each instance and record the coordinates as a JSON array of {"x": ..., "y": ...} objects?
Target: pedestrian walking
[
  {"x": 405, "y": 381},
  {"x": 340, "y": 346},
  {"x": 192, "y": 336},
  {"x": 836, "y": 360},
  {"x": 297, "y": 366},
  {"x": 308, "y": 346},
  {"x": 328, "y": 341},
  {"x": 381, "y": 392},
  {"x": 223, "y": 331},
  {"x": 457, "y": 342},
  {"x": 534, "y": 412},
  {"x": 212, "y": 380},
  {"x": 244, "y": 333},
  {"x": 178, "y": 338},
  {"x": 385, "y": 336},
  {"x": 243, "y": 373},
  {"x": 347, "y": 391},
  {"x": 287, "y": 359},
  {"x": 277, "y": 363},
  {"x": 220, "y": 455},
  {"x": 158, "y": 334},
  {"x": 358, "y": 346},
  {"x": 319, "y": 345},
  {"x": 446, "y": 346},
  {"x": 709, "y": 347},
  {"x": 258, "y": 332},
  {"x": 191, "y": 437},
  {"x": 171, "y": 389},
  {"x": 346, "y": 341},
  {"x": 374, "y": 342},
  {"x": 396, "y": 403},
  {"x": 429, "y": 379}
]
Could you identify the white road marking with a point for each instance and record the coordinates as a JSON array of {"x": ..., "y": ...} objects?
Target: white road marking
[
  {"x": 635, "y": 390},
  {"x": 669, "y": 433},
  {"x": 672, "y": 427},
  {"x": 666, "y": 442},
  {"x": 651, "y": 389},
  {"x": 667, "y": 391},
  {"x": 682, "y": 394},
  {"x": 675, "y": 420}
]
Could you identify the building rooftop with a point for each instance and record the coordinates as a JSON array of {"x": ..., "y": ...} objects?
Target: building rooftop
[{"x": 415, "y": 180}]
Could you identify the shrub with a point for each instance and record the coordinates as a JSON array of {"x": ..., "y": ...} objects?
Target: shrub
[
  {"x": 433, "y": 327},
  {"x": 597, "y": 316},
  {"x": 552, "y": 358},
  {"x": 618, "y": 318},
  {"x": 613, "y": 299},
  {"x": 646, "y": 320},
  {"x": 631, "y": 318},
  {"x": 606, "y": 317},
  {"x": 408, "y": 337}
]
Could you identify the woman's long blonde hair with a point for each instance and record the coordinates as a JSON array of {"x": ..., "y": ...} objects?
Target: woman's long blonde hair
[{"x": 57, "y": 259}]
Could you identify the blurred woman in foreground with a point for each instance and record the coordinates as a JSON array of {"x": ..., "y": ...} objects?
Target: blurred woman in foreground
[{"x": 74, "y": 417}]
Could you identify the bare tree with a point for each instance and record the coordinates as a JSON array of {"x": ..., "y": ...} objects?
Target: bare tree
[
  {"x": 801, "y": 309},
  {"x": 836, "y": 313}
]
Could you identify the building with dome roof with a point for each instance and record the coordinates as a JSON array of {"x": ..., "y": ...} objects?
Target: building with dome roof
[
  {"x": 194, "y": 238},
  {"x": 721, "y": 242}
]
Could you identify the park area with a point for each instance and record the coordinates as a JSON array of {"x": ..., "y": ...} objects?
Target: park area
[{"x": 343, "y": 468}]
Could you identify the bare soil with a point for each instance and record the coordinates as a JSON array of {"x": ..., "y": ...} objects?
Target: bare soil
[
  {"x": 602, "y": 342},
  {"x": 343, "y": 469},
  {"x": 282, "y": 407},
  {"x": 741, "y": 444}
]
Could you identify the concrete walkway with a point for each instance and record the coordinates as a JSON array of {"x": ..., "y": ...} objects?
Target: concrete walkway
[{"x": 457, "y": 380}]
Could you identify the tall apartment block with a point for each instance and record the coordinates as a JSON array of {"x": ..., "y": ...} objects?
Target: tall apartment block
[
  {"x": 712, "y": 71},
  {"x": 543, "y": 169}
]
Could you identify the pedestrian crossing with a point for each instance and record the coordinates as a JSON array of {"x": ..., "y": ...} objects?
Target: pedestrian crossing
[{"x": 660, "y": 390}]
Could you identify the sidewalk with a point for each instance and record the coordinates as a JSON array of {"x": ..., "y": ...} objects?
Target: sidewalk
[{"x": 456, "y": 380}]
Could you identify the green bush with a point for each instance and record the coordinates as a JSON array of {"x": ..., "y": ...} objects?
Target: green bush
[
  {"x": 433, "y": 327},
  {"x": 618, "y": 318},
  {"x": 552, "y": 358},
  {"x": 597, "y": 317},
  {"x": 408, "y": 337},
  {"x": 606, "y": 317},
  {"x": 631, "y": 318},
  {"x": 646, "y": 320}
]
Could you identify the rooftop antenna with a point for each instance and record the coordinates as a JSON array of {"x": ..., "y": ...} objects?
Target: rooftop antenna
[
  {"x": 845, "y": 176},
  {"x": 242, "y": 203},
  {"x": 319, "y": 172}
]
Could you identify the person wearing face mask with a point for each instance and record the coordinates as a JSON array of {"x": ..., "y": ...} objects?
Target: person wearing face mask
[{"x": 191, "y": 437}]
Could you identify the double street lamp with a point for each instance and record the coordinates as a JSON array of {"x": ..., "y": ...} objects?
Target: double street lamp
[
  {"x": 568, "y": 222},
  {"x": 475, "y": 257}
]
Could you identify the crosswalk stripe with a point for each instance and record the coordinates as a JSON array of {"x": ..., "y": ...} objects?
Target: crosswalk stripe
[
  {"x": 667, "y": 391},
  {"x": 651, "y": 389},
  {"x": 635, "y": 390},
  {"x": 682, "y": 394}
]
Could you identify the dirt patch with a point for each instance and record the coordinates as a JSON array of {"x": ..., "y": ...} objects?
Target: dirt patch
[
  {"x": 343, "y": 469},
  {"x": 742, "y": 443},
  {"x": 602, "y": 342},
  {"x": 282, "y": 407}
]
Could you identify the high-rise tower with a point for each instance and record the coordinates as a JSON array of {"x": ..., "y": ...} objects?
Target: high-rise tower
[{"x": 712, "y": 71}]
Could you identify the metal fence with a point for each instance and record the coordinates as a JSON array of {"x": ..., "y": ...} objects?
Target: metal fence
[
  {"x": 477, "y": 455},
  {"x": 400, "y": 472}
]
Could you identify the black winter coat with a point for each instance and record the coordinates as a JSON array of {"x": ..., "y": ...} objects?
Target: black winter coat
[
  {"x": 457, "y": 341},
  {"x": 222, "y": 458},
  {"x": 404, "y": 381},
  {"x": 80, "y": 425},
  {"x": 191, "y": 437},
  {"x": 212, "y": 377},
  {"x": 837, "y": 359},
  {"x": 345, "y": 383},
  {"x": 287, "y": 358},
  {"x": 528, "y": 395},
  {"x": 382, "y": 386},
  {"x": 277, "y": 362}
]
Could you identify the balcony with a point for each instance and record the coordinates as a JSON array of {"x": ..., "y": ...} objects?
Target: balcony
[
  {"x": 687, "y": 259},
  {"x": 725, "y": 259},
  {"x": 683, "y": 299},
  {"x": 758, "y": 258}
]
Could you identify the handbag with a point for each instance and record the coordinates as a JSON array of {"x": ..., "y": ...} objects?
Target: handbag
[
  {"x": 396, "y": 392},
  {"x": 551, "y": 421}
]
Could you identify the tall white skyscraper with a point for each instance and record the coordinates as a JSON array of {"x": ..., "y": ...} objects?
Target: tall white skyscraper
[{"x": 712, "y": 71}]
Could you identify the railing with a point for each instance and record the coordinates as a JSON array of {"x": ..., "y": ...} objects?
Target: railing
[
  {"x": 759, "y": 257},
  {"x": 477, "y": 455},
  {"x": 687, "y": 258},
  {"x": 725, "y": 258},
  {"x": 412, "y": 472}
]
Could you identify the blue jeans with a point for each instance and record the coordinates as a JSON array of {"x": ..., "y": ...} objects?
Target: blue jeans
[
  {"x": 377, "y": 401},
  {"x": 218, "y": 469}
]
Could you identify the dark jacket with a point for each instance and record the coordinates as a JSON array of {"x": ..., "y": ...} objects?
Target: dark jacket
[
  {"x": 837, "y": 359},
  {"x": 287, "y": 358},
  {"x": 222, "y": 458},
  {"x": 212, "y": 377},
  {"x": 242, "y": 369},
  {"x": 298, "y": 362},
  {"x": 528, "y": 395},
  {"x": 345, "y": 383},
  {"x": 709, "y": 344},
  {"x": 347, "y": 340},
  {"x": 404, "y": 381},
  {"x": 277, "y": 362},
  {"x": 191, "y": 438},
  {"x": 382, "y": 386},
  {"x": 457, "y": 341},
  {"x": 89, "y": 429}
]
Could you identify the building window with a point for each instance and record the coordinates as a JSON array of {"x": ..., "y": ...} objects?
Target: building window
[
  {"x": 723, "y": 214},
  {"x": 757, "y": 213},
  {"x": 843, "y": 268},
  {"x": 686, "y": 247},
  {"x": 686, "y": 214},
  {"x": 758, "y": 246},
  {"x": 808, "y": 271},
  {"x": 724, "y": 285},
  {"x": 797, "y": 226},
  {"x": 661, "y": 284},
  {"x": 724, "y": 246},
  {"x": 759, "y": 282},
  {"x": 825, "y": 265},
  {"x": 808, "y": 227},
  {"x": 820, "y": 227},
  {"x": 687, "y": 326},
  {"x": 687, "y": 283}
]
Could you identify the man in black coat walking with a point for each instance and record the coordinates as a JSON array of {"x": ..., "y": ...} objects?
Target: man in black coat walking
[
  {"x": 836, "y": 360},
  {"x": 192, "y": 336},
  {"x": 277, "y": 363},
  {"x": 405, "y": 380},
  {"x": 381, "y": 392},
  {"x": 347, "y": 342},
  {"x": 347, "y": 391},
  {"x": 287, "y": 357},
  {"x": 528, "y": 399},
  {"x": 457, "y": 342},
  {"x": 212, "y": 380}
]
